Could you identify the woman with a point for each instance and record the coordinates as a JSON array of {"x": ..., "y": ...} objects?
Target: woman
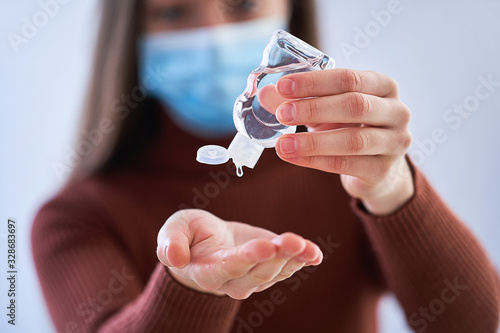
[{"x": 379, "y": 226}]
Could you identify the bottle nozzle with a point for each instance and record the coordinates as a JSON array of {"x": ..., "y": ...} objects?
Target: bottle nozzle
[{"x": 242, "y": 150}]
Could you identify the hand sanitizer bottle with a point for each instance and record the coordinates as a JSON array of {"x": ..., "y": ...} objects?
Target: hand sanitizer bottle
[{"x": 254, "y": 110}]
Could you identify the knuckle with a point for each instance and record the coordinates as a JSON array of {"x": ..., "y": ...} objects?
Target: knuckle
[
  {"x": 406, "y": 140},
  {"x": 305, "y": 84},
  {"x": 402, "y": 114},
  {"x": 357, "y": 142},
  {"x": 394, "y": 85},
  {"x": 350, "y": 80},
  {"x": 358, "y": 105},
  {"x": 311, "y": 111},
  {"x": 405, "y": 115},
  {"x": 311, "y": 84},
  {"x": 312, "y": 144},
  {"x": 339, "y": 164}
]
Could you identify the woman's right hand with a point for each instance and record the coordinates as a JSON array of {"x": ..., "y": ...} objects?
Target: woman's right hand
[{"x": 213, "y": 256}]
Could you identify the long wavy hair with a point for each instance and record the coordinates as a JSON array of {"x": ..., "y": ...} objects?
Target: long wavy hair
[{"x": 117, "y": 123}]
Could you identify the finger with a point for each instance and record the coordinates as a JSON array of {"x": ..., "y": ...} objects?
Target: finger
[
  {"x": 261, "y": 274},
  {"x": 174, "y": 239},
  {"x": 233, "y": 263},
  {"x": 289, "y": 269},
  {"x": 311, "y": 255},
  {"x": 286, "y": 272},
  {"x": 369, "y": 168},
  {"x": 289, "y": 244},
  {"x": 336, "y": 81},
  {"x": 348, "y": 108},
  {"x": 270, "y": 99},
  {"x": 238, "y": 261},
  {"x": 177, "y": 254},
  {"x": 265, "y": 286},
  {"x": 344, "y": 142}
]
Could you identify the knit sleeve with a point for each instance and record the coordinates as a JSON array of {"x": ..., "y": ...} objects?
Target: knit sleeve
[
  {"x": 434, "y": 265},
  {"x": 90, "y": 285}
]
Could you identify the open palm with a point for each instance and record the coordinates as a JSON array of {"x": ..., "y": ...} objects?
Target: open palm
[{"x": 211, "y": 255}]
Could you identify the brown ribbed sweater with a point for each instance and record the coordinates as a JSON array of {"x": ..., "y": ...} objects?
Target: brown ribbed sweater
[{"x": 94, "y": 246}]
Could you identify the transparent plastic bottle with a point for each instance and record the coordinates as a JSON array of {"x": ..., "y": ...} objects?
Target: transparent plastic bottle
[{"x": 255, "y": 109}]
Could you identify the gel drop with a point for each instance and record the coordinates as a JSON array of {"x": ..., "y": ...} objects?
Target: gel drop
[{"x": 254, "y": 112}]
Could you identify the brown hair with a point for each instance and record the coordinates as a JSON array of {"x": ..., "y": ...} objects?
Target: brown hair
[{"x": 115, "y": 113}]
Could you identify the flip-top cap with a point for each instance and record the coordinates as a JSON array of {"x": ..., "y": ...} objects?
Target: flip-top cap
[
  {"x": 242, "y": 150},
  {"x": 212, "y": 155}
]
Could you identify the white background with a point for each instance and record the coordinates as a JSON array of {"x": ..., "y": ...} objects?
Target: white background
[{"x": 435, "y": 50}]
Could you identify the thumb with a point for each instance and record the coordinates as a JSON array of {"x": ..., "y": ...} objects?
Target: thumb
[
  {"x": 174, "y": 239},
  {"x": 270, "y": 99}
]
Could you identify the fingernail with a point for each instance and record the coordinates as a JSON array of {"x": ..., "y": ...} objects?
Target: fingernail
[
  {"x": 286, "y": 112},
  {"x": 286, "y": 86},
  {"x": 287, "y": 146}
]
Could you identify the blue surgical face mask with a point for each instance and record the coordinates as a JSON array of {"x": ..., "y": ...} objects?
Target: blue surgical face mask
[{"x": 198, "y": 73}]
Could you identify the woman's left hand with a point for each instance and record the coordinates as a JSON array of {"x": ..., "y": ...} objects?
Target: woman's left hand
[{"x": 358, "y": 127}]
